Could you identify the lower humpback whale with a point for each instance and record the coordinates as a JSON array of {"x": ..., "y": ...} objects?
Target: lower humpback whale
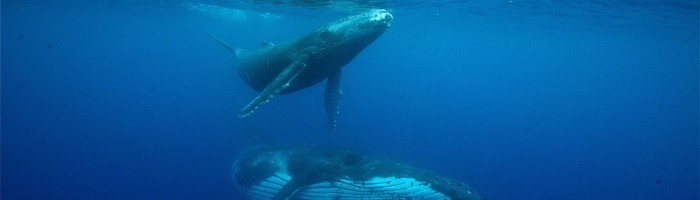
[
  {"x": 335, "y": 173},
  {"x": 305, "y": 61}
]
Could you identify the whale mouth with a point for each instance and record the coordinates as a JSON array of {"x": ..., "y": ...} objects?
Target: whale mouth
[
  {"x": 374, "y": 188},
  {"x": 382, "y": 16},
  {"x": 372, "y": 19}
]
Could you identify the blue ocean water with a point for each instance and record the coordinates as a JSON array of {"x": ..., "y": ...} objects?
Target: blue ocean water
[{"x": 521, "y": 99}]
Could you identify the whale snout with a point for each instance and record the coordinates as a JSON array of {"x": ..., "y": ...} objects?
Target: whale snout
[{"x": 383, "y": 16}]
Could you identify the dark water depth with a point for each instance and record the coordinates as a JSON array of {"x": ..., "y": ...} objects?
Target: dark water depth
[{"x": 520, "y": 99}]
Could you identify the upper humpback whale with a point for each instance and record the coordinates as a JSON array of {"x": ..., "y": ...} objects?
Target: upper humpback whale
[
  {"x": 303, "y": 62},
  {"x": 318, "y": 173}
]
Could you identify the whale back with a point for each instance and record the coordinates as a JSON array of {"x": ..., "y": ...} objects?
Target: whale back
[{"x": 328, "y": 48}]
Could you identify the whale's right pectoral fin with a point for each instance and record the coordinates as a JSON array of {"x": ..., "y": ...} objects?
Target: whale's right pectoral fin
[
  {"x": 280, "y": 82},
  {"x": 332, "y": 97}
]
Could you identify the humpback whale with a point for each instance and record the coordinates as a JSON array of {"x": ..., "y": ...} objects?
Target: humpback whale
[
  {"x": 305, "y": 61},
  {"x": 313, "y": 172}
]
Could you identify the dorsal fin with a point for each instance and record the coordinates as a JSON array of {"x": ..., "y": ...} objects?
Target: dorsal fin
[
  {"x": 235, "y": 51},
  {"x": 266, "y": 44}
]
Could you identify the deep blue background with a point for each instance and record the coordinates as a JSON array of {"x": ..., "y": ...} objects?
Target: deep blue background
[{"x": 131, "y": 100}]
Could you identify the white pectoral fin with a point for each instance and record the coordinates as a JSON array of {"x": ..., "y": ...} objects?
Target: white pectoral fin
[
  {"x": 332, "y": 98},
  {"x": 280, "y": 82}
]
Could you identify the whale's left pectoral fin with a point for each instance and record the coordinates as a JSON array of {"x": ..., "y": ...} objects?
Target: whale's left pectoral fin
[
  {"x": 332, "y": 97},
  {"x": 280, "y": 82}
]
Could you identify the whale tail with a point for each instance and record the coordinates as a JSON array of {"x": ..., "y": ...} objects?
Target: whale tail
[{"x": 235, "y": 51}]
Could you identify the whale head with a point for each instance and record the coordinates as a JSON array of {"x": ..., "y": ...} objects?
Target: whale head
[
  {"x": 347, "y": 37},
  {"x": 371, "y": 23}
]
